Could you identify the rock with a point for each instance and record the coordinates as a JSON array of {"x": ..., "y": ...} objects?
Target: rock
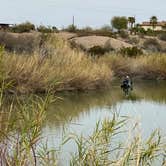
[
  {"x": 66, "y": 35},
  {"x": 88, "y": 42}
]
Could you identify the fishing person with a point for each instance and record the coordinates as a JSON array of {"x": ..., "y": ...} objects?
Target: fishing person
[{"x": 127, "y": 85}]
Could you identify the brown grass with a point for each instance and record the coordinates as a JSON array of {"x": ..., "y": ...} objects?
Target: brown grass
[
  {"x": 146, "y": 66},
  {"x": 59, "y": 69}
]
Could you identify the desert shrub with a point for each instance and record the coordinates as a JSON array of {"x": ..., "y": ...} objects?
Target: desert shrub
[
  {"x": 98, "y": 50},
  {"x": 141, "y": 32},
  {"x": 131, "y": 51},
  {"x": 106, "y": 28},
  {"x": 162, "y": 36},
  {"x": 19, "y": 42},
  {"x": 45, "y": 29},
  {"x": 24, "y": 27},
  {"x": 134, "y": 40},
  {"x": 123, "y": 34},
  {"x": 87, "y": 29},
  {"x": 152, "y": 44},
  {"x": 71, "y": 28},
  {"x": 149, "y": 32}
]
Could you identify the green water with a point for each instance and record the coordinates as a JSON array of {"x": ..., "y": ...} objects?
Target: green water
[{"x": 79, "y": 112}]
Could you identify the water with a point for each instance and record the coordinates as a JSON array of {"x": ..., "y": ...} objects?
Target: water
[{"x": 79, "y": 112}]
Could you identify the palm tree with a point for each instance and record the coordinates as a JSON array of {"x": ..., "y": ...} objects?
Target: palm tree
[
  {"x": 131, "y": 21},
  {"x": 153, "y": 21}
]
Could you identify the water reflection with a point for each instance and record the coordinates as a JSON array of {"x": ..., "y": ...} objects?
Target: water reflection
[
  {"x": 74, "y": 104},
  {"x": 79, "y": 112}
]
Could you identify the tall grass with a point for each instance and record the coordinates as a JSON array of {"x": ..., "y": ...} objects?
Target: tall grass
[
  {"x": 21, "y": 143},
  {"x": 20, "y": 132},
  {"x": 56, "y": 67},
  {"x": 103, "y": 147},
  {"x": 145, "y": 66}
]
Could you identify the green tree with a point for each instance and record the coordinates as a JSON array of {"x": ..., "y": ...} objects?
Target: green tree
[
  {"x": 153, "y": 21},
  {"x": 119, "y": 23}
]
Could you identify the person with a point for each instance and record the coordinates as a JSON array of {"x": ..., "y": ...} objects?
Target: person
[{"x": 127, "y": 83}]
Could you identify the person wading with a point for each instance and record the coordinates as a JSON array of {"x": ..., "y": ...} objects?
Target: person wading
[{"x": 127, "y": 85}]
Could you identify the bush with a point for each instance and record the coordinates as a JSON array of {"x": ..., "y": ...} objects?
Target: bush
[
  {"x": 152, "y": 44},
  {"x": 71, "y": 28},
  {"x": 123, "y": 34},
  {"x": 162, "y": 36},
  {"x": 131, "y": 51},
  {"x": 20, "y": 42},
  {"x": 134, "y": 40},
  {"x": 45, "y": 29},
  {"x": 24, "y": 27},
  {"x": 97, "y": 50}
]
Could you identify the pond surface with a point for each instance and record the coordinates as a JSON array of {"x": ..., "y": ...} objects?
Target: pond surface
[{"x": 79, "y": 112}]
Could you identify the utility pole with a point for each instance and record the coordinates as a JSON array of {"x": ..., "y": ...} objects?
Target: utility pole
[{"x": 73, "y": 21}]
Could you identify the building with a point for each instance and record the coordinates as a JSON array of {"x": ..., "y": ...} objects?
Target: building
[
  {"x": 4, "y": 26},
  {"x": 160, "y": 26}
]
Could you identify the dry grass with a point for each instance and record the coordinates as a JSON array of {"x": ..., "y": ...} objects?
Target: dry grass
[
  {"x": 58, "y": 68},
  {"x": 146, "y": 66}
]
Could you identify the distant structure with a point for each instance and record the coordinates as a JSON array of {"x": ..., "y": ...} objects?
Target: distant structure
[
  {"x": 4, "y": 26},
  {"x": 160, "y": 26}
]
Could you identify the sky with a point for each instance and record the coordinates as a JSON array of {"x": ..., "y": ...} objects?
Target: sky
[{"x": 94, "y": 13}]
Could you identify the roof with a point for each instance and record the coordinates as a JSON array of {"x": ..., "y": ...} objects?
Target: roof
[{"x": 162, "y": 23}]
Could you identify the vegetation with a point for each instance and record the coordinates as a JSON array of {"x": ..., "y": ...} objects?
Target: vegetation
[
  {"x": 123, "y": 34},
  {"x": 144, "y": 66},
  {"x": 162, "y": 36},
  {"x": 71, "y": 28},
  {"x": 131, "y": 21},
  {"x": 152, "y": 45},
  {"x": 24, "y": 27},
  {"x": 21, "y": 142},
  {"x": 55, "y": 66},
  {"x": 20, "y": 134},
  {"x": 97, "y": 50},
  {"x": 119, "y": 23},
  {"x": 102, "y": 149},
  {"x": 45, "y": 29},
  {"x": 131, "y": 51},
  {"x": 153, "y": 21},
  {"x": 20, "y": 43}
]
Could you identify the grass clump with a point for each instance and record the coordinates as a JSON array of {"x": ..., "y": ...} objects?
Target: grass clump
[
  {"x": 101, "y": 148},
  {"x": 45, "y": 29},
  {"x": 20, "y": 134},
  {"x": 131, "y": 51},
  {"x": 20, "y": 43},
  {"x": 23, "y": 27},
  {"x": 151, "y": 66},
  {"x": 162, "y": 36},
  {"x": 152, "y": 45}
]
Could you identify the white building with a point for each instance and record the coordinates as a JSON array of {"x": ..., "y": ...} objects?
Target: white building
[{"x": 160, "y": 26}]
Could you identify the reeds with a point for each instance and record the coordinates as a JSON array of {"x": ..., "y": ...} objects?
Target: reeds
[
  {"x": 111, "y": 143},
  {"x": 58, "y": 68},
  {"x": 104, "y": 147},
  {"x": 20, "y": 133},
  {"x": 151, "y": 66}
]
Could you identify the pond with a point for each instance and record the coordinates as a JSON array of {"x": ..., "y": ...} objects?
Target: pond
[{"x": 79, "y": 112}]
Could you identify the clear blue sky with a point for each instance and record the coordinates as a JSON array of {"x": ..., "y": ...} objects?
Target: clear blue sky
[{"x": 94, "y": 13}]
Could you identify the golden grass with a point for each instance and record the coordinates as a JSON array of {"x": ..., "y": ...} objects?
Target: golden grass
[
  {"x": 145, "y": 66},
  {"x": 57, "y": 67},
  {"x": 63, "y": 69}
]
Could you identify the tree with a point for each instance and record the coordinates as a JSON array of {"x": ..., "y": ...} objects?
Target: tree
[
  {"x": 119, "y": 23},
  {"x": 131, "y": 21},
  {"x": 153, "y": 21}
]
